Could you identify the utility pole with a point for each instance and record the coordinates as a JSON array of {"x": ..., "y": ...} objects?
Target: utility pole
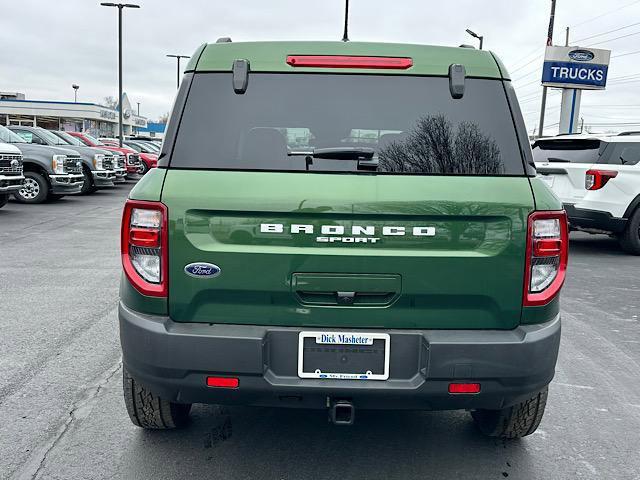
[
  {"x": 120, "y": 6},
  {"x": 138, "y": 108},
  {"x": 178, "y": 57},
  {"x": 543, "y": 106},
  {"x": 345, "y": 35},
  {"x": 566, "y": 38}
]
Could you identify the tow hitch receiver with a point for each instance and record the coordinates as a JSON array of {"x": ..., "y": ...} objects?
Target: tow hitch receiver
[{"x": 342, "y": 412}]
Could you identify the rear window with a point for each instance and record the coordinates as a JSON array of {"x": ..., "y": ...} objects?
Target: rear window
[
  {"x": 407, "y": 125},
  {"x": 566, "y": 151},
  {"x": 624, "y": 154}
]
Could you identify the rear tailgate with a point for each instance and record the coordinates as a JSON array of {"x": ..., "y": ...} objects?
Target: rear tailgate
[
  {"x": 443, "y": 260},
  {"x": 563, "y": 164}
]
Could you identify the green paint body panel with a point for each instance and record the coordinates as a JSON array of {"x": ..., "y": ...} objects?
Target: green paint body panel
[
  {"x": 149, "y": 187},
  {"x": 271, "y": 57},
  {"x": 545, "y": 198},
  {"x": 469, "y": 275},
  {"x": 141, "y": 303}
]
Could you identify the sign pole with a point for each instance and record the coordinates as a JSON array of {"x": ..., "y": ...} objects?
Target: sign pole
[
  {"x": 544, "y": 89},
  {"x": 570, "y": 110}
]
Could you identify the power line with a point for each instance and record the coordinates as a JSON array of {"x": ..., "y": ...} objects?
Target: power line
[
  {"x": 625, "y": 54},
  {"x": 605, "y": 14},
  {"x": 526, "y": 57},
  {"x": 526, "y": 64},
  {"x": 612, "y": 39},
  {"x": 605, "y": 33}
]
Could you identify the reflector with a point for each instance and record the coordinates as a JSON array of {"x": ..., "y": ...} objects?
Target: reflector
[
  {"x": 222, "y": 382},
  {"x": 464, "y": 388}
]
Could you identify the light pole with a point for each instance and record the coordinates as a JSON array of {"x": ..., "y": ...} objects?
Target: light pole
[
  {"x": 475, "y": 35},
  {"x": 120, "y": 6},
  {"x": 75, "y": 92},
  {"x": 138, "y": 108},
  {"x": 178, "y": 57}
]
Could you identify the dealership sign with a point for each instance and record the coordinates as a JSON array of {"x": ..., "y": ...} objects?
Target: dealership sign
[{"x": 574, "y": 67}]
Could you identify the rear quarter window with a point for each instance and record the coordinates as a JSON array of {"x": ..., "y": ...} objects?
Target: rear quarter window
[
  {"x": 624, "y": 154},
  {"x": 411, "y": 123}
]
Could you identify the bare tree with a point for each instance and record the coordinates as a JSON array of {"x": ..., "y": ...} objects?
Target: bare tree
[
  {"x": 435, "y": 146},
  {"x": 164, "y": 118},
  {"x": 110, "y": 102}
]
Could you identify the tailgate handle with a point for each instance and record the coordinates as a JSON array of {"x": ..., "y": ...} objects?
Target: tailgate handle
[
  {"x": 548, "y": 171},
  {"x": 346, "y": 290}
]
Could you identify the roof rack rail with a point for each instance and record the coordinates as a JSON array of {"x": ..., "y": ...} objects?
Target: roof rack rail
[{"x": 224, "y": 40}]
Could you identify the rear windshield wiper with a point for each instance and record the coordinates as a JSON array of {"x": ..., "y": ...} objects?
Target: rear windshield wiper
[
  {"x": 556, "y": 159},
  {"x": 337, "y": 153},
  {"x": 364, "y": 155}
]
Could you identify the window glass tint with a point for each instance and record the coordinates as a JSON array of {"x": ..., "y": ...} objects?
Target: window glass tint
[
  {"x": 566, "y": 151},
  {"x": 25, "y": 135},
  {"x": 625, "y": 154},
  {"x": 394, "y": 124}
]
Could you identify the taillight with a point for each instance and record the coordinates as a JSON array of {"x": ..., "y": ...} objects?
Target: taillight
[
  {"x": 596, "y": 179},
  {"x": 546, "y": 256},
  {"x": 144, "y": 246},
  {"x": 349, "y": 61}
]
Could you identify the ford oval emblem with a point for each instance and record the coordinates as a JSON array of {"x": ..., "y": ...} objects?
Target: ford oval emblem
[
  {"x": 202, "y": 270},
  {"x": 581, "y": 55}
]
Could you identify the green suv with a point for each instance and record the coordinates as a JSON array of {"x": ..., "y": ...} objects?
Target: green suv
[{"x": 343, "y": 226}]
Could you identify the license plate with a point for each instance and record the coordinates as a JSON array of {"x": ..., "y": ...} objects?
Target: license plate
[
  {"x": 343, "y": 355},
  {"x": 548, "y": 179}
]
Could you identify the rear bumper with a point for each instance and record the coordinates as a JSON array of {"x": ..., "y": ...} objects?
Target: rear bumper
[
  {"x": 10, "y": 183},
  {"x": 583, "y": 218},
  {"x": 66, "y": 184},
  {"x": 173, "y": 360}
]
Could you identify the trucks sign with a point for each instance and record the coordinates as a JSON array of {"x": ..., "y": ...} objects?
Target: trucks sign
[{"x": 574, "y": 67}]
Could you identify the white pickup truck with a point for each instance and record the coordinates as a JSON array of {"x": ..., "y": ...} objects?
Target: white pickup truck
[
  {"x": 598, "y": 180},
  {"x": 11, "y": 177}
]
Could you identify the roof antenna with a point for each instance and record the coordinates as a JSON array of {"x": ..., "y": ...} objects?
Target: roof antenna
[{"x": 345, "y": 36}]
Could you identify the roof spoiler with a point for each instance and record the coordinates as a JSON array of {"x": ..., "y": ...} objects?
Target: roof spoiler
[{"x": 224, "y": 40}]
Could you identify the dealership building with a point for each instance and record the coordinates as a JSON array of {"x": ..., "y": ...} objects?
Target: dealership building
[{"x": 95, "y": 119}]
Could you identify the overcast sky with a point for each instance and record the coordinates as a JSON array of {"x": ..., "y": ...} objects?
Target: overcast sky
[{"x": 48, "y": 45}]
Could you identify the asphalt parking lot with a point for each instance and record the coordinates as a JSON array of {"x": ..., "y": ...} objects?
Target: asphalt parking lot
[{"x": 62, "y": 414}]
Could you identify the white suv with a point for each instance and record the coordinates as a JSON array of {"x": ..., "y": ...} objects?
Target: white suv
[{"x": 598, "y": 180}]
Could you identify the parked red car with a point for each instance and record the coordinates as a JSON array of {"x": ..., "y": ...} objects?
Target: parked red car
[
  {"x": 132, "y": 158},
  {"x": 149, "y": 159}
]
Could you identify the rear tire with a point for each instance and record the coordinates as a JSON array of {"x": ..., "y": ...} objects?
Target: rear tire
[
  {"x": 147, "y": 410},
  {"x": 516, "y": 421},
  {"x": 34, "y": 190},
  {"x": 630, "y": 239}
]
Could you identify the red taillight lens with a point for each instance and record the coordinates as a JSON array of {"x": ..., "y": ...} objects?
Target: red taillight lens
[
  {"x": 223, "y": 382},
  {"x": 144, "y": 246},
  {"x": 144, "y": 237},
  {"x": 596, "y": 179},
  {"x": 346, "y": 61},
  {"x": 546, "y": 256},
  {"x": 464, "y": 388}
]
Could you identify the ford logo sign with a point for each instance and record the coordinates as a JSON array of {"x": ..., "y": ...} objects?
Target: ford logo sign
[
  {"x": 202, "y": 270},
  {"x": 581, "y": 55}
]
